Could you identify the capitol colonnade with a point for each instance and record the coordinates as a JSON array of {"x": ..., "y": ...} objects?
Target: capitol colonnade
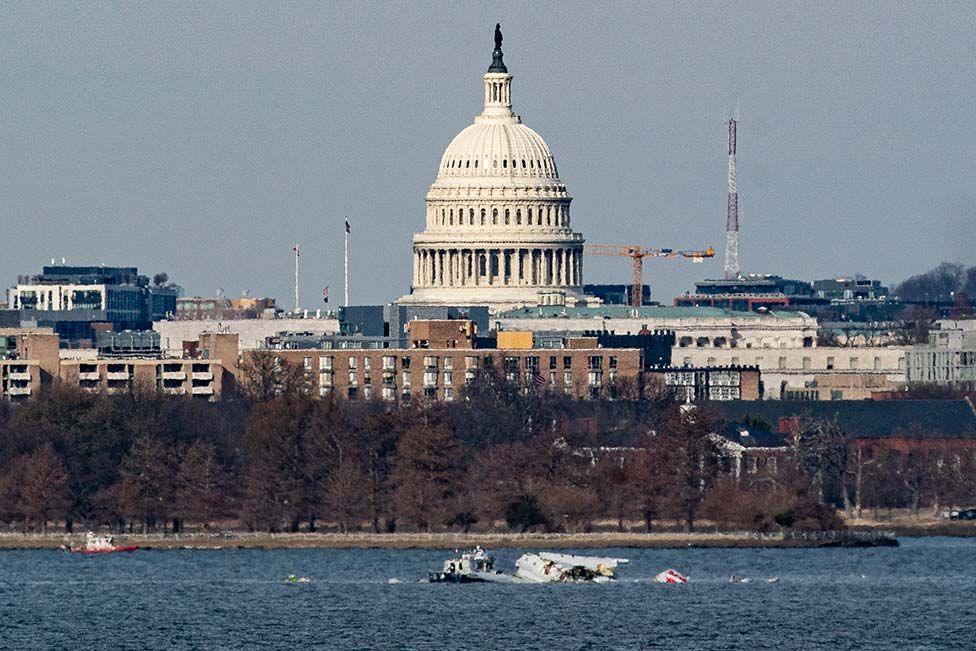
[{"x": 497, "y": 266}]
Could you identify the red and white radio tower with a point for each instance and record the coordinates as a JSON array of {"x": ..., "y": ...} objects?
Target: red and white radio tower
[{"x": 732, "y": 215}]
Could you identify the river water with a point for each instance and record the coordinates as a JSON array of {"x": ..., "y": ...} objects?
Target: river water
[{"x": 921, "y": 595}]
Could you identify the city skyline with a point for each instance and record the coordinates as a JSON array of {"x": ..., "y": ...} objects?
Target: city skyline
[{"x": 205, "y": 145}]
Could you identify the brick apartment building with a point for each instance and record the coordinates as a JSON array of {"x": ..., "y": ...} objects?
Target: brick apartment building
[{"x": 446, "y": 355}]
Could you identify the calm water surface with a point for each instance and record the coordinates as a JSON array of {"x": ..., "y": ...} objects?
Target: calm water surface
[{"x": 921, "y": 595}]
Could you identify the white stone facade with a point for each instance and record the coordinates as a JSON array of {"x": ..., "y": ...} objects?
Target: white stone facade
[
  {"x": 695, "y": 328},
  {"x": 251, "y": 332},
  {"x": 949, "y": 357},
  {"x": 498, "y": 226}
]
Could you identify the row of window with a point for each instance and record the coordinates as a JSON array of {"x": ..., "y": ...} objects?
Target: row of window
[
  {"x": 594, "y": 390},
  {"x": 433, "y": 364},
  {"x": 544, "y": 216},
  {"x": 327, "y": 362},
  {"x": 725, "y": 342},
  {"x": 531, "y": 165},
  {"x": 806, "y": 363}
]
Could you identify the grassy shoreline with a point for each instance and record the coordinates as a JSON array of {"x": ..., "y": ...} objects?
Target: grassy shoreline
[{"x": 662, "y": 540}]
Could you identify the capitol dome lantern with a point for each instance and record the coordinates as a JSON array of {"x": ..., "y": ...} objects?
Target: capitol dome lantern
[{"x": 498, "y": 226}]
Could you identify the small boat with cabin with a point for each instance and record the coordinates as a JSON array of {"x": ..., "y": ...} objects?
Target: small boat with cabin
[
  {"x": 95, "y": 544},
  {"x": 475, "y": 566}
]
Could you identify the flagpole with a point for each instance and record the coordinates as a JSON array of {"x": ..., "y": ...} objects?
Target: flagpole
[
  {"x": 346, "y": 260},
  {"x": 297, "y": 302}
]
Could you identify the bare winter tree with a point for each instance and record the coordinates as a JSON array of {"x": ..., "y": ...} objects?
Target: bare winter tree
[
  {"x": 682, "y": 463},
  {"x": 265, "y": 376},
  {"x": 821, "y": 450},
  {"x": 148, "y": 481},
  {"x": 429, "y": 466},
  {"x": 42, "y": 483},
  {"x": 200, "y": 484}
]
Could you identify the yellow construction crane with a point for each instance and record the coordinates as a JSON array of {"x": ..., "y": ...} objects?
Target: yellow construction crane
[{"x": 637, "y": 255}]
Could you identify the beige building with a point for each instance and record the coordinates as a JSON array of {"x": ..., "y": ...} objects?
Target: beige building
[
  {"x": 28, "y": 359},
  {"x": 199, "y": 377},
  {"x": 19, "y": 378},
  {"x": 810, "y": 373},
  {"x": 32, "y": 359}
]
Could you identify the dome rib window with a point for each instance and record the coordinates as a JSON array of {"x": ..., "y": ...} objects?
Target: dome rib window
[
  {"x": 476, "y": 164},
  {"x": 505, "y": 163},
  {"x": 523, "y": 163},
  {"x": 467, "y": 164},
  {"x": 518, "y": 216},
  {"x": 482, "y": 216},
  {"x": 506, "y": 216},
  {"x": 494, "y": 216}
]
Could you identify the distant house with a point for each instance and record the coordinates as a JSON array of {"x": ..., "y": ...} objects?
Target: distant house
[{"x": 750, "y": 453}]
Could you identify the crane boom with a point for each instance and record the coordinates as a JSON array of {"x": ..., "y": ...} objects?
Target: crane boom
[{"x": 637, "y": 255}]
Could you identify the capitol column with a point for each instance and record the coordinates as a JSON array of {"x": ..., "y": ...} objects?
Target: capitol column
[{"x": 512, "y": 277}]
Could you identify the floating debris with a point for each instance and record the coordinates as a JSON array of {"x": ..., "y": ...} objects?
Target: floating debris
[
  {"x": 393, "y": 581},
  {"x": 547, "y": 567},
  {"x": 670, "y": 576},
  {"x": 294, "y": 578},
  {"x": 739, "y": 579}
]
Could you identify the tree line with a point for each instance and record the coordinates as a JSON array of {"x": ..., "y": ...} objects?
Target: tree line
[
  {"x": 942, "y": 283},
  {"x": 276, "y": 459}
]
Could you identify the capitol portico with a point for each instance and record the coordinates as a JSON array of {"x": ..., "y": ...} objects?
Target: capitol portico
[{"x": 498, "y": 227}]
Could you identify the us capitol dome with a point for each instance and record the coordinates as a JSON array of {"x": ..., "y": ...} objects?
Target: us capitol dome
[{"x": 498, "y": 228}]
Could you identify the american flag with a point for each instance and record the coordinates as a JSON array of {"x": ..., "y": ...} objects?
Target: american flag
[
  {"x": 325, "y": 294},
  {"x": 348, "y": 229},
  {"x": 295, "y": 249},
  {"x": 539, "y": 382}
]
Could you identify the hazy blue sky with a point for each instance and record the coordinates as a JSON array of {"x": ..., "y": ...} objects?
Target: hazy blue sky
[{"x": 205, "y": 139}]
